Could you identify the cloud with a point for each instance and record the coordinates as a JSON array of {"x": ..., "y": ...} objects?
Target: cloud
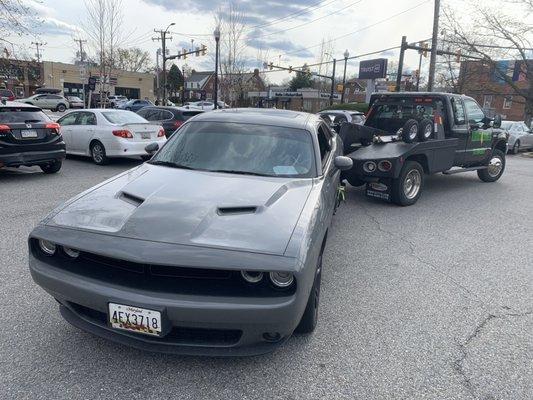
[
  {"x": 282, "y": 45},
  {"x": 54, "y": 26}
]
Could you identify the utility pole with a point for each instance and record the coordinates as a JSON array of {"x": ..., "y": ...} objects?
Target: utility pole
[
  {"x": 400, "y": 63},
  {"x": 158, "y": 89},
  {"x": 38, "y": 53},
  {"x": 83, "y": 68},
  {"x": 82, "y": 53},
  {"x": 433, "y": 56},
  {"x": 332, "y": 82},
  {"x": 163, "y": 37}
]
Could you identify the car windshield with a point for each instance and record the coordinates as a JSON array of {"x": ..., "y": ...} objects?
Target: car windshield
[
  {"x": 507, "y": 124},
  {"x": 22, "y": 114},
  {"x": 123, "y": 117},
  {"x": 240, "y": 148}
]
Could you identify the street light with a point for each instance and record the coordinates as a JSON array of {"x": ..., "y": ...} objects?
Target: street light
[
  {"x": 346, "y": 55},
  {"x": 216, "y": 33},
  {"x": 164, "y": 49}
]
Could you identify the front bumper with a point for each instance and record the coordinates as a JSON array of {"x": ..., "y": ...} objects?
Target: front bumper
[{"x": 30, "y": 158}]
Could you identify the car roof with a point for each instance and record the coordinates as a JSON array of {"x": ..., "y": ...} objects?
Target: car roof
[
  {"x": 172, "y": 108},
  {"x": 262, "y": 116}
]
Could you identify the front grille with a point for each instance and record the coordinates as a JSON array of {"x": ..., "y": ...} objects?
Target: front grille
[{"x": 178, "y": 335}]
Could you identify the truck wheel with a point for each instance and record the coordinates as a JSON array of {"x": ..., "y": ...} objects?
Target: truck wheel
[
  {"x": 406, "y": 189},
  {"x": 309, "y": 319},
  {"x": 425, "y": 130},
  {"x": 495, "y": 169},
  {"x": 410, "y": 131}
]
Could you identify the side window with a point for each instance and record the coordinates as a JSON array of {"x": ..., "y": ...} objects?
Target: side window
[
  {"x": 86, "y": 118},
  {"x": 143, "y": 112},
  {"x": 165, "y": 115},
  {"x": 324, "y": 142},
  {"x": 67, "y": 120},
  {"x": 473, "y": 111},
  {"x": 458, "y": 111}
]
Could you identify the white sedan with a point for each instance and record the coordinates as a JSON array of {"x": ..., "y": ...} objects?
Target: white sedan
[{"x": 102, "y": 134}]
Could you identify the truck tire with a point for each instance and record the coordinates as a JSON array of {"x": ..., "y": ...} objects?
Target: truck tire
[
  {"x": 495, "y": 168},
  {"x": 425, "y": 130},
  {"x": 406, "y": 189},
  {"x": 410, "y": 131}
]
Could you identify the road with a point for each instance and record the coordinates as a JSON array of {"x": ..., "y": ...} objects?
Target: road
[{"x": 433, "y": 301}]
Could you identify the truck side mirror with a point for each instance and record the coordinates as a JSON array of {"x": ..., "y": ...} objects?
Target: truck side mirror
[{"x": 497, "y": 123}]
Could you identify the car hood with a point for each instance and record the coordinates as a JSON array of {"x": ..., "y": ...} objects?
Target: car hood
[{"x": 162, "y": 204}]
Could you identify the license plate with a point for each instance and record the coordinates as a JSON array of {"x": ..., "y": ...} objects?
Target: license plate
[
  {"x": 135, "y": 319},
  {"x": 28, "y": 133},
  {"x": 145, "y": 135}
]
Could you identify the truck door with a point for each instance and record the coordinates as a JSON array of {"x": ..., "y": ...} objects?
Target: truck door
[
  {"x": 479, "y": 145},
  {"x": 459, "y": 129}
]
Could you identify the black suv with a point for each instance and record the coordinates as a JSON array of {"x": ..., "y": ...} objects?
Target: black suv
[
  {"x": 29, "y": 137},
  {"x": 170, "y": 118}
]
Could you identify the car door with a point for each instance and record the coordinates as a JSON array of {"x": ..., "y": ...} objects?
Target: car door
[
  {"x": 459, "y": 129},
  {"x": 523, "y": 133},
  {"x": 479, "y": 145},
  {"x": 67, "y": 122},
  {"x": 84, "y": 131},
  {"x": 330, "y": 174},
  {"x": 39, "y": 101}
]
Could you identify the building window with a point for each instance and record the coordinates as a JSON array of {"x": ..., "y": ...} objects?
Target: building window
[
  {"x": 507, "y": 102},
  {"x": 487, "y": 101}
]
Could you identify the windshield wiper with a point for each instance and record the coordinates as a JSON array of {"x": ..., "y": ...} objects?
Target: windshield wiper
[
  {"x": 230, "y": 171},
  {"x": 170, "y": 164}
]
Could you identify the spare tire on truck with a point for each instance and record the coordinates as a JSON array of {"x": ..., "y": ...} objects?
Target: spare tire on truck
[
  {"x": 425, "y": 130},
  {"x": 410, "y": 131}
]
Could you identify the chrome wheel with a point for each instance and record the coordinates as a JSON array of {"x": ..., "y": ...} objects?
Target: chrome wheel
[
  {"x": 98, "y": 153},
  {"x": 495, "y": 166},
  {"x": 428, "y": 131},
  {"x": 412, "y": 183},
  {"x": 413, "y": 132},
  {"x": 516, "y": 147}
]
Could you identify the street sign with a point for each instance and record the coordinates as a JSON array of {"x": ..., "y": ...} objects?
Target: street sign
[{"x": 373, "y": 69}]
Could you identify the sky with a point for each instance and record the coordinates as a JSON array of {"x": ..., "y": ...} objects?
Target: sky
[{"x": 284, "y": 32}]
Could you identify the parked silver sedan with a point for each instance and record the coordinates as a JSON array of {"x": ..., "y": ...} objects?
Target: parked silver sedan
[
  {"x": 520, "y": 136},
  {"x": 213, "y": 247}
]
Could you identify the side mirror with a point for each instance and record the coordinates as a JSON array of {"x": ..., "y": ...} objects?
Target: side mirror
[
  {"x": 151, "y": 148},
  {"x": 343, "y": 163},
  {"x": 497, "y": 123}
]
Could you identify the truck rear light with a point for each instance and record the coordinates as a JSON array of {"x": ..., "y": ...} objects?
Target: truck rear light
[
  {"x": 123, "y": 133},
  {"x": 369, "y": 166},
  {"x": 54, "y": 126},
  {"x": 385, "y": 166},
  {"x": 161, "y": 132}
]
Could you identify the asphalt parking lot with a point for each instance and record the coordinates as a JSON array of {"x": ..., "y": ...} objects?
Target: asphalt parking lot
[{"x": 431, "y": 301}]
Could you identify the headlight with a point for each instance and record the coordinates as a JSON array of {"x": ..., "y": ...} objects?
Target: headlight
[
  {"x": 282, "y": 279},
  {"x": 72, "y": 253},
  {"x": 252, "y": 276},
  {"x": 47, "y": 247},
  {"x": 385, "y": 166},
  {"x": 369, "y": 166}
]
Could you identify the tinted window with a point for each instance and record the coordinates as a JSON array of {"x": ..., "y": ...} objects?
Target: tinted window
[
  {"x": 122, "y": 117},
  {"x": 245, "y": 148},
  {"x": 458, "y": 111},
  {"x": 69, "y": 119},
  {"x": 474, "y": 111},
  {"x": 86, "y": 118},
  {"x": 143, "y": 112},
  {"x": 6, "y": 93},
  {"x": 11, "y": 115},
  {"x": 185, "y": 115},
  {"x": 323, "y": 142}
]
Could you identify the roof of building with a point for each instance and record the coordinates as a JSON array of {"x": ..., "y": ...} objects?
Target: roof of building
[{"x": 199, "y": 76}]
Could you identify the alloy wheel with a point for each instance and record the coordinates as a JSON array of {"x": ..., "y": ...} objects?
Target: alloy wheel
[
  {"x": 495, "y": 166},
  {"x": 412, "y": 183}
]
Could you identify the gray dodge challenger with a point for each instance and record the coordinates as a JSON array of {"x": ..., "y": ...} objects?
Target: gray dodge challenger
[{"x": 213, "y": 247}]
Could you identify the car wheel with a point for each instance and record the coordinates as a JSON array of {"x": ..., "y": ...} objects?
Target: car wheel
[
  {"x": 61, "y": 108},
  {"x": 98, "y": 153},
  {"x": 406, "y": 189},
  {"x": 51, "y": 168},
  {"x": 410, "y": 131},
  {"x": 310, "y": 317},
  {"x": 425, "y": 130},
  {"x": 516, "y": 147},
  {"x": 494, "y": 169}
]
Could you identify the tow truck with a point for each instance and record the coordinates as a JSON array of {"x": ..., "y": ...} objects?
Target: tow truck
[{"x": 408, "y": 135}]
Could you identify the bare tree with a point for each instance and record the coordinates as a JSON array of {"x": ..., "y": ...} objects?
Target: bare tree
[
  {"x": 491, "y": 35},
  {"x": 17, "y": 18},
  {"x": 134, "y": 59},
  {"x": 324, "y": 55}
]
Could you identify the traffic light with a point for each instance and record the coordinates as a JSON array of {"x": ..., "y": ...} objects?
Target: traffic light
[
  {"x": 204, "y": 49},
  {"x": 425, "y": 46},
  {"x": 197, "y": 51},
  {"x": 416, "y": 73},
  {"x": 458, "y": 56}
]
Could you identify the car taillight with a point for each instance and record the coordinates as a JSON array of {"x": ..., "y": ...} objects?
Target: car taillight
[
  {"x": 177, "y": 124},
  {"x": 11, "y": 98},
  {"x": 54, "y": 126},
  {"x": 4, "y": 128},
  {"x": 161, "y": 132},
  {"x": 123, "y": 133}
]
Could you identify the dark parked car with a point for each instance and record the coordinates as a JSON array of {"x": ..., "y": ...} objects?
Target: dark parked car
[
  {"x": 29, "y": 137},
  {"x": 135, "y": 105},
  {"x": 6, "y": 94},
  {"x": 170, "y": 118},
  {"x": 214, "y": 246}
]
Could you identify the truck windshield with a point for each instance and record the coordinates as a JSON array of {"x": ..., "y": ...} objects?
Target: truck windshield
[{"x": 391, "y": 114}]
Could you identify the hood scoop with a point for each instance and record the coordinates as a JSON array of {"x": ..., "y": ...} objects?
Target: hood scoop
[
  {"x": 131, "y": 199},
  {"x": 236, "y": 210}
]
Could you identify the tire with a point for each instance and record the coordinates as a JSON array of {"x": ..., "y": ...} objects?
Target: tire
[
  {"x": 61, "y": 108},
  {"x": 410, "y": 131},
  {"x": 425, "y": 130},
  {"x": 98, "y": 153},
  {"x": 407, "y": 188},
  {"x": 310, "y": 317},
  {"x": 51, "y": 168},
  {"x": 516, "y": 147},
  {"x": 495, "y": 168}
]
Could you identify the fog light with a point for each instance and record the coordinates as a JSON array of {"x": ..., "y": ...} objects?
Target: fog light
[
  {"x": 369, "y": 166},
  {"x": 71, "y": 252},
  {"x": 47, "y": 247},
  {"x": 281, "y": 279},
  {"x": 385, "y": 166},
  {"x": 252, "y": 276}
]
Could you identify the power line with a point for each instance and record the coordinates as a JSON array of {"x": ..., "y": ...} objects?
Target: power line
[{"x": 38, "y": 53}]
